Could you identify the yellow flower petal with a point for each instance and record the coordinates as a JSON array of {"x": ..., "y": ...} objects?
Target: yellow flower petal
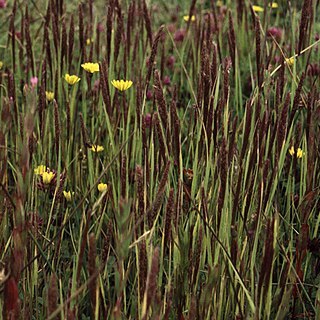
[
  {"x": 273, "y": 5},
  {"x": 290, "y": 61},
  {"x": 300, "y": 153},
  {"x": 49, "y": 95},
  {"x": 122, "y": 85},
  {"x": 1, "y": 65},
  {"x": 40, "y": 169},
  {"x": 71, "y": 79},
  {"x": 102, "y": 187},
  {"x": 257, "y": 9},
  {"x": 90, "y": 67},
  {"x": 68, "y": 195},
  {"x": 291, "y": 151},
  {"x": 186, "y": 18},
  {"x": 97, "y": 148},
  {"x": 47, "y": 177}
]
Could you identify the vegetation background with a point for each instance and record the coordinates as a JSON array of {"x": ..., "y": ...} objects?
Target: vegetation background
[{"x": 192, "y": 194}]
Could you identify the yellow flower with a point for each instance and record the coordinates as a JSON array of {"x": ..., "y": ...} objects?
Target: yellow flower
[
  {"x": 49, "y": 95},
  {"x": 257, "y": 9},
  {"x": 68, "y": 195},
  {"x": 290, "y": 61},
  {"x": 273, "y": 5},
  {"x": 71, "y": 79},
  {"x": 90, "y": 67},
  {"x": 47, "y": 177},
  {"x": 300, "y": 153},
  {"x": 291, "y": 151},
  {"x": 186, "y": 18},
  {"x": 97, "y": 148},
  {"x": 122, "y": 85},
  {"x": 40, "y": 169},
  {"x": 102, "y": 187},
  {"x": 89, "y": 41},
  {"x": 1, "y": 64},
  {"x": 219, "y": 3}
]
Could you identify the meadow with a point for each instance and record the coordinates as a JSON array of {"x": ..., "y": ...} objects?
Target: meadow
[{"x": 159, "y": 160}]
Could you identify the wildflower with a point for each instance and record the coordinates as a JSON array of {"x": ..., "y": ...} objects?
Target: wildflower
[
  {"x": 300, "y": 153},
  {"x": 102, "y": 187},
  {"x": 219, "y": 3},
  {"x": 3, "y": 4},
  {"x": 49, "y": 95},
  {"x": 179, "y": 35},
  {"x": 1, "y": 64},
  {"x": 90, "y": 67},
  {"x": 166, "y": 81},
  {"x": 273, "y": 5},
  {"x": 290, "y": 61},
  {"x": 148, "y": 120},
  {"x": 122, "y": 85},
  {"x": 71, "y": 79},
  {"x": 275, "y": 33},
  {"x": 68, "y": 195},
  {"x": 291, "y": 151},
  {"x": 97, "y": 148},
  {"x": 34, "y": 81},
  {"x": 186, "y": 18},
  {"x": 39, "y": 170},
  {"x": 89, "y": 41},
  {"x": 47, "y": 177},
  {"x": 257, "y": 9}
]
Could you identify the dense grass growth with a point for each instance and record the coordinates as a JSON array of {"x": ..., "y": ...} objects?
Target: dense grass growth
[{"x": 190, "y": 193}]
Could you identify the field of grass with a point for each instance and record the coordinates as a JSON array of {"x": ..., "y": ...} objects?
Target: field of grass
[{"x": 190, "y": 190}]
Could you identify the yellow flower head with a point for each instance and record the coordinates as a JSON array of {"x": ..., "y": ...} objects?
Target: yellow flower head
[
  {"x": 122, "y": 85},
  {"x": 291, "y": 151},
  {"x": 102, "y": 187},
  {"x": 290, "y": 61},
  {"x": 97, "y": 148},
  {"x": 186, "y": 18},
  {"x": 219, "y": 3},
  {"x": 257, "y": 9},
  {"x": 1, "y": 65},
  {"x": 47, "y": 177},
  {"x": 300, "y": 153},
  {"x": 49, "y": 95},
  {"x": 71, "y": 79},
  {"x": 68, "y": 195},
  {"x": 90, "y": 67},
  {"x": 273, "y": 5},
  {"x": 39, "y": 170},
  {"x": 89, "y": 41}
]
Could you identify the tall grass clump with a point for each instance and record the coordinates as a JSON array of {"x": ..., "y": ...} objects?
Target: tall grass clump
[{"x": 159, "y": 160}]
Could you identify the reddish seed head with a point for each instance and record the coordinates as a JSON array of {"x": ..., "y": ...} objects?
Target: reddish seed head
[
  {"x": 100, "y": 27},
  {"x": 179, "y": 35},
  {"x": 149, "y": 95},
  {"x": 171, "y": 27},
  {"x": 3, "y": 4},
  {"x": 275, "y": 32},
  {"x": 170, "y": 61},
  {"x": 166, "y": 81},
  {"x": 148, "y": 119}
]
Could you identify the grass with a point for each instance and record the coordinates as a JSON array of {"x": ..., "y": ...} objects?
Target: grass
[{"x": 206, "y": 213}]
